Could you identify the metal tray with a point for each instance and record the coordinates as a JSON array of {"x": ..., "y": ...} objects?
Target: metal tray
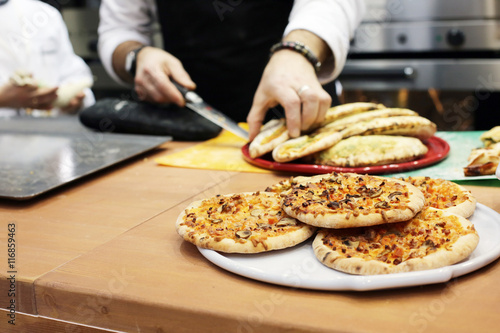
[{"x": 40, "y": 154}]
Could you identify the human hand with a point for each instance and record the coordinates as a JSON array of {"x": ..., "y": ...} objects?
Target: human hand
[
  {"x": 27, "y": 96},
  {"x": 74, "y": 104},
  {"x": 290, "y": 80},
  {"x": 155, "y": 68}
]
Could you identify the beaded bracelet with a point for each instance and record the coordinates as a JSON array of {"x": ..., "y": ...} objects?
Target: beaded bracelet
[{"x": 300, "y": 48}]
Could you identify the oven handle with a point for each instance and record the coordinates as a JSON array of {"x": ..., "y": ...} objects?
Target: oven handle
[{"x": 406, "y": 72}]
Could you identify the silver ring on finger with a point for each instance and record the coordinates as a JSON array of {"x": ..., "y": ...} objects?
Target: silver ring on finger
[{"x": 302, "y": 89}]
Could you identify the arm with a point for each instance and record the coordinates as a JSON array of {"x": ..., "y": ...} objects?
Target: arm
[
  {"x": 128, "y": 22},
  {"x": 126, "y": 26},
  {"x": 326, "y": 28}
]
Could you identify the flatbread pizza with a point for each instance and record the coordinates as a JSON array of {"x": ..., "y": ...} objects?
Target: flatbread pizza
[
  {"x": 271, "y": 135},
  {"x": 346, "y": 200},
  {"x": 340, "y": 124},
  {"x": 340, "y": 111},
  {"x": 483, "y": 161},
  {"x": 432, "y": 239},
  {"x": 371, "y": 150},
  {"x": 491, "y": 137},
  {"x": 241, "y": 223},
  {"x": 415, "y": 126},
  {"x": 305, "y": 145},
  {"x": 445, "y": 195}
]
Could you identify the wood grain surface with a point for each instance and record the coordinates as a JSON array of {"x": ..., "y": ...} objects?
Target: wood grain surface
[{"x": 103, "y": 253}]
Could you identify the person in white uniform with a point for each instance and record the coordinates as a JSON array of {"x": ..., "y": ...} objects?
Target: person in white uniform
[
  {"x": 222, "y": 49},
  {"x": 34, "y": 42}
]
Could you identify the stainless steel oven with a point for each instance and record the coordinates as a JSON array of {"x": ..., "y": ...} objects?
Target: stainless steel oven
[{"x": 440, "y": 58}]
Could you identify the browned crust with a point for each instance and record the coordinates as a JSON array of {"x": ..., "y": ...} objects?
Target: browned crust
[
  {"x": 445, "y": 195},
  {"x": 305, "y": 145},
  {"x": 203, "y": 233},
  {"x": 414, "y": 126},
  {"x": 443, "y": 255},
  {"x": 351, "y": 200},
  {"x": 261, "y": 144}
]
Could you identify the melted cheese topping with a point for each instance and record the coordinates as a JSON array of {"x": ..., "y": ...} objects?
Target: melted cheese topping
[
  {"x": 241, "y": 217},
  {"x": 347, "y": 194},
  {"x": 395, "y": 243},
  {"x": 439, "y": 193}
]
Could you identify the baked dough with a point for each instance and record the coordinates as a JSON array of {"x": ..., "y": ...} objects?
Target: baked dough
[
  {"x": 342, "y": 123},
  {"x": 445, "y": 195},
  {"x": 340, "y": 111},
  {"x": 432, "y": 239},
  {"x": 370, "y": 150},
  {"x": 346, "y": 200},
  {"x": 490, "y": 137},
  {"x": 304, "y": 145},
  {"x": 483, "y": 161},
  {"x": 241, "y": 223},
  {"x": 273, "y": 133},
  {"x": 415, "y": 126}
]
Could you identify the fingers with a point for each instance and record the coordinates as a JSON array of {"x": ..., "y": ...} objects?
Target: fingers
[
  {"x": 303, "y": 112},
  {"x": 43, "y": 98},
  {"x": 155, "y": 68},
  {"x": 291, "y": 102},
  {"x": 315, "y": 103}
]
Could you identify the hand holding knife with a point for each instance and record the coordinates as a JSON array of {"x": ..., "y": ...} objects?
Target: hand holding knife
[{"x": 198, "y": 105}]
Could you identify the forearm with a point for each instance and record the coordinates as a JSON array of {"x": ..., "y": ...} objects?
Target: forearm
[
  {"x": 333, "y": 21},
  {"x": 317, "y": 45},
  {"x": 118, "y": 59}
]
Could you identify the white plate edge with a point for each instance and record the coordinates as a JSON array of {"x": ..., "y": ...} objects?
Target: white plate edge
[{"x": 369, "y": 282}]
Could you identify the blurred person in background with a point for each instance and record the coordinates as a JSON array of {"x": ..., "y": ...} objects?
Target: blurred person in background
[
  {"x": 37, "y": 59},
  {"x": 222, "y": 49}
]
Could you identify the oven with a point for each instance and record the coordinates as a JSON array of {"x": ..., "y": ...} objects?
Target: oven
[{"x": 437, "y": 57}]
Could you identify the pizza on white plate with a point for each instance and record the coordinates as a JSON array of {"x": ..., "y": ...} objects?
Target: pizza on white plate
[
  {"x": 345, "y": 200},
  {"x": 445, "y": 195},
  {"x": 432, "y": 239},
  {"x": 241, "y": 223}
]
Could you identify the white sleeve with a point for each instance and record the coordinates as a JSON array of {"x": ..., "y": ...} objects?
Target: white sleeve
[
  {"x": 121, "y": 21},
  {"x": 71, "y": 67},
  {"x": 334, "y": 21}
]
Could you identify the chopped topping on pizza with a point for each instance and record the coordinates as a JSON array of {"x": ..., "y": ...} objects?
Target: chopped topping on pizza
[
  {"x": 347, "y": 194},
  {"x": 396, "y": 243},
  {"x": 440, "y": 193},
  {"x": 247, "y": 217}
]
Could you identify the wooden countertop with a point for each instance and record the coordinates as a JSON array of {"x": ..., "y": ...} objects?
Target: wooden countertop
[{"x": 102, "y": 254}]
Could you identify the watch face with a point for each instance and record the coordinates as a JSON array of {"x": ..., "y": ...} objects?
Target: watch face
[{"x": 129, "y": 61}]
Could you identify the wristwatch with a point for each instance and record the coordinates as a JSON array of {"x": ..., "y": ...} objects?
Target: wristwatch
[{"x": 131, "y": 60}]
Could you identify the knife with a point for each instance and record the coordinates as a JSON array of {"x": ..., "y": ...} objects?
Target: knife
[{"x": 198, "y": 105}]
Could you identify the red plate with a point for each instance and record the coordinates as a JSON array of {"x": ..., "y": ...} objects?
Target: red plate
[{"x": 438, "y": 150}]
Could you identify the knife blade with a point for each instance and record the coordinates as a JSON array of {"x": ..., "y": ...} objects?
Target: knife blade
[{"x": 198, "y": 105}]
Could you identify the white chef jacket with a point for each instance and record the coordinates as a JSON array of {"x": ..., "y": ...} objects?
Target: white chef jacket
[
  {"x": 35, "y": 39},
  {"x": 332, "y": 20}
]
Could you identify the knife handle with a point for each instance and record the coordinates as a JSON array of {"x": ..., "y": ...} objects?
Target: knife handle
[
  {"x": 189, "y": 95},
  {"x": 182, "y": 89}
]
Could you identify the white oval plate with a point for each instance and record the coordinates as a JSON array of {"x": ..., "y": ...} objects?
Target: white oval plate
[{"x": 298, "y": 267}]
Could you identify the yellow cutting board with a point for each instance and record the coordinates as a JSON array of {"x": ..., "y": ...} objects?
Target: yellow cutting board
[{"x": 220, "y": 153}]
